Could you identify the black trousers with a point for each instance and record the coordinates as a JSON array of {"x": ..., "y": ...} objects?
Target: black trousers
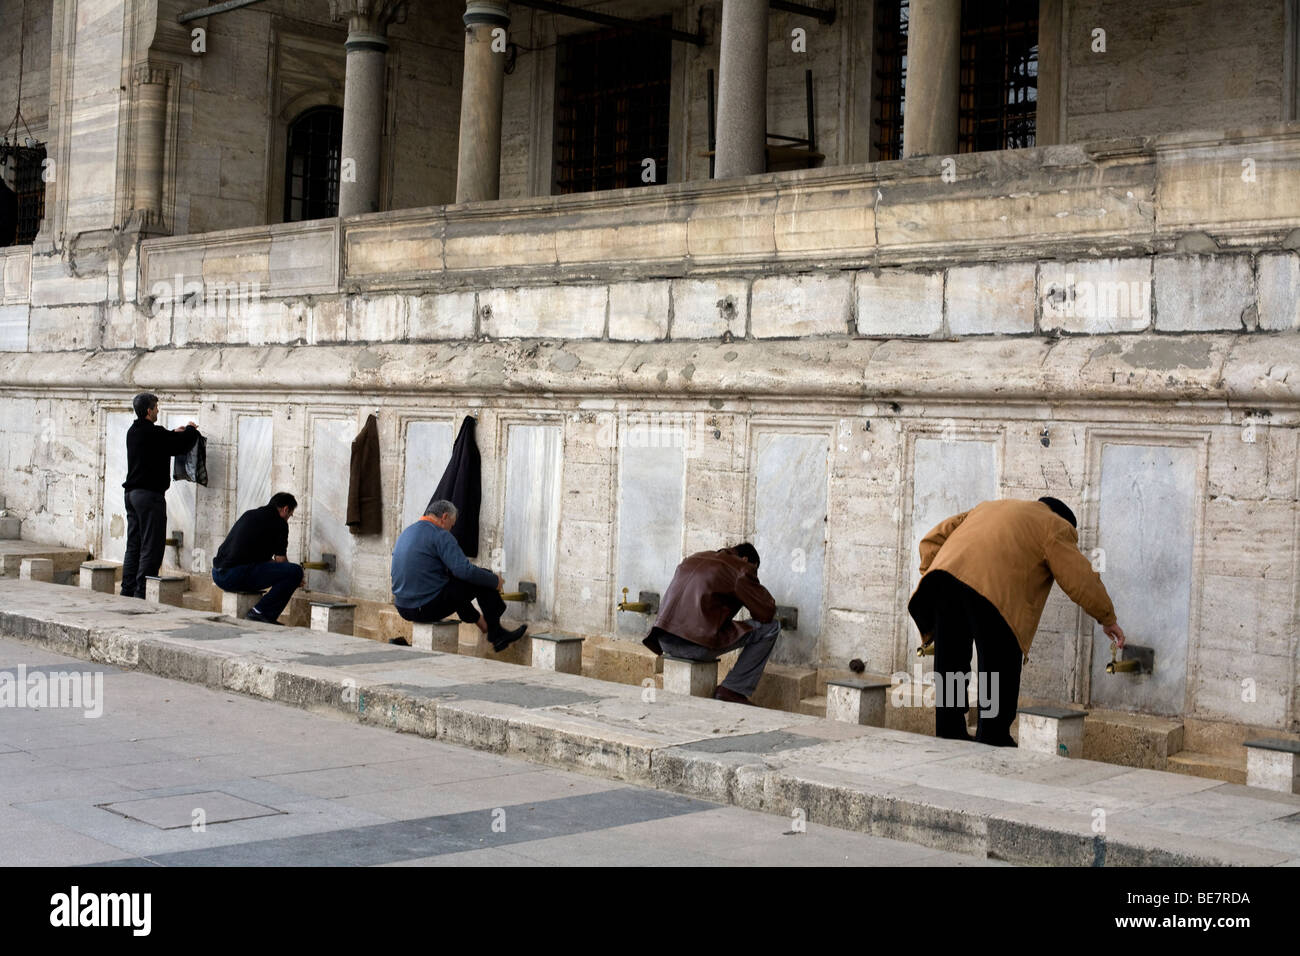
[
  {"x": 146, "y": 530},
  {"x": 456, "y": 599},
  {"x": 962, "y": 617}
]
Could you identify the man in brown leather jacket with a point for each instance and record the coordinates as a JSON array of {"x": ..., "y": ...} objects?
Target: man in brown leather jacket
[{"x": 695, "y": 617}]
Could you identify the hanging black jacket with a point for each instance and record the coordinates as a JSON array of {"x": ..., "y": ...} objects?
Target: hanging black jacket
[
  {"x": 462, "y": 485},
  {"x": 149, "y": 449}
]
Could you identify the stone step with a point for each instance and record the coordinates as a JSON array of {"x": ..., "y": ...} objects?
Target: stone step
[
  {"x": 623, "y": 662},
  {"x": 783, "y": 686},
  {"x": 1211, "y": 766},
  {"x": 1131, "y": 740},
  {"x": 812, "y": 706}
]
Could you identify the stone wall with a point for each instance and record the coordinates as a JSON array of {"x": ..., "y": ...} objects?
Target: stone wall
[
  {"x": 1171, "y": 65},
  {"x": 834, "y": 456}
]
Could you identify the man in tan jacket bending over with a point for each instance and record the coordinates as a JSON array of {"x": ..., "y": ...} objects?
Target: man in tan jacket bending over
[{"x": 985, "y": 576}]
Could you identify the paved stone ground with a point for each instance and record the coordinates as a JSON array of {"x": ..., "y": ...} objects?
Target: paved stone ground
[
  {"x": 282, "y": 786},
  {"x": 947, "y": 795}
]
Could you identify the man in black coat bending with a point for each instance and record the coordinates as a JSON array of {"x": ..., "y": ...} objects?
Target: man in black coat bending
[
  {"x": 149, "y": 452},
  {"x": 253, "y": 558}
]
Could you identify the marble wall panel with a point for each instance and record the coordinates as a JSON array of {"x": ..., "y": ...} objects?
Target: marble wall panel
[
  {"x": 652, "y": 483},
  {"x": 331, "y": 458},
  {"x": 790, "y": 509},
  {"x": 427, "y": 452},
  {"x": 112, "y": 539},
  {"x": 253, "y": 464},
  {"x": 532, "y": 513},
  {"x": 1146, "y": 530}
]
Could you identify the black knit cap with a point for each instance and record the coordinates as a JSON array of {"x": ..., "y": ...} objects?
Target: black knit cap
[{"x": 1060, "y": 507}]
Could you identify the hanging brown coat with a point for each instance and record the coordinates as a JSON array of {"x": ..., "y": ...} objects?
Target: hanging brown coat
[{"x": 365, "y": 498}]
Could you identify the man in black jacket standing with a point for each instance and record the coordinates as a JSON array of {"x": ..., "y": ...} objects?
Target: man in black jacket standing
[
  {"x": 253, "y": 557},
  {"x": 149, "y": 452}
]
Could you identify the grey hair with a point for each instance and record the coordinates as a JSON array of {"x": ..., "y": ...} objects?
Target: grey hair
[{"x": 439, "y": 508}]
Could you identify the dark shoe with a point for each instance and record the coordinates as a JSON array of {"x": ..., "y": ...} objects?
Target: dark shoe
[
  {"x": 255, "y": 615},
  {"x": 501, "y": 638},
  {"x": 731, "y": 697},
  {"x": 400, "y": 640}
]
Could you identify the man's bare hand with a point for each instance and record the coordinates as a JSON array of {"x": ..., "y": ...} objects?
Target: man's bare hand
[
  {"x": 501, "y": 583},
  {"x": 1115, "y": 633}
]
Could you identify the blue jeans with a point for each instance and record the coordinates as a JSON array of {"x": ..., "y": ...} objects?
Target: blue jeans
[{"x": 282, "y": 577}]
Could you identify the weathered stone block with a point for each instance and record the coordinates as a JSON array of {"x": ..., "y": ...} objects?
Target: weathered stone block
[
  {"x": 1096, "y": 296},
  {"x": 237, "y": 604},
  {"x": 1273, "y": 764},
  {"x": 557, "y": 652},
  {"x": 99, "y": 575},
  {"x": 563, "y": 312},
  {"x": 332, "y": 616},
  {"x": 794, "y": 306},
  {"x": 1051, "y": 730},
  {"x": 1279, "y": 292},
  {"x": 988, "y": 299},
  {"x": 165, "y": 589},
  {"x": 857, "y": 701},
  {"x": 893, "y": 302},
  {"x": 440, "y": 317},
  {"x": 638, "y": 311},
  {"x": 443, "y": 636},
  {"x": 36, "y": 569},
  {"x": 1203, "y": 293},
  {"x": 706, "y": 308},
  {"x": 696, "y": 678}
]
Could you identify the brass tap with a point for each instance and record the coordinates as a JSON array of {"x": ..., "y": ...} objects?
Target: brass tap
[
  {"x": 925, "y": 650},
  {"x": 639, "y": 607},
  {"x": 527, "y": 593},
  {"x": 1121, "y": 667}
]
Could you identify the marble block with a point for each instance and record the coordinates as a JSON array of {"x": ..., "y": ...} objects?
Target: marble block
[
  {"x": 236, "y": 604},
  {"x": 557, "y": 652},
  {"x": 1273, "y": 765},
  {"x": 1052, "y": 730},
  {"x": 441, "y": 636},
  {"x": 331, "y": 616},
  {"x": 857, "y": 701},
  {"x": 99, "y": 575},
  {"x": 165, "y": 588},
  {"x": 36, "y": 569},
  {"x": 696, "y": 678}
]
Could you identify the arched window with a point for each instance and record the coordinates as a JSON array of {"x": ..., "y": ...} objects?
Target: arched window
[{"x": 311, "y": 175}]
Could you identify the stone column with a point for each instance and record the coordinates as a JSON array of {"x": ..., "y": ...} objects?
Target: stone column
[
  {"x": 150, "y": 97},
  {"x": 478, "y": 166},
  {"x": 933, "y": 63},
  {"x": 742, "y": 90},
  {"x": 363, "y": 109}
]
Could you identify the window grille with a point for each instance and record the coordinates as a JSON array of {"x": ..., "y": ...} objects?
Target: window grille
[
  {"x": 612, "y": 101},
  {"x": 312, "y": 159}
]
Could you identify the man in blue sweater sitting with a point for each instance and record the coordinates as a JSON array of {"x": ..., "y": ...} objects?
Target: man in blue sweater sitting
[{"x": 433, "y": 579}]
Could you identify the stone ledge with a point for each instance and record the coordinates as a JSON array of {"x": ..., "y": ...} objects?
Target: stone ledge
[
  {"x": 883, "y": 782},
  {"x": 1262, "y": 369}
]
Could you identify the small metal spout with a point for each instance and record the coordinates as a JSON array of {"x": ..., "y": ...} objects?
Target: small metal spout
[
  {"x": 643, "y": 606},
  {"x": 527, "y": 593},
  {"x": 1137, "y": 660},
  {"x": 326, "y": 563},
  {"x": 925, "y": 650}
]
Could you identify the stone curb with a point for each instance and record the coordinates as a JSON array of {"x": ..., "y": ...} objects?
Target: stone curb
[{"x": 943, "y": 820}]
